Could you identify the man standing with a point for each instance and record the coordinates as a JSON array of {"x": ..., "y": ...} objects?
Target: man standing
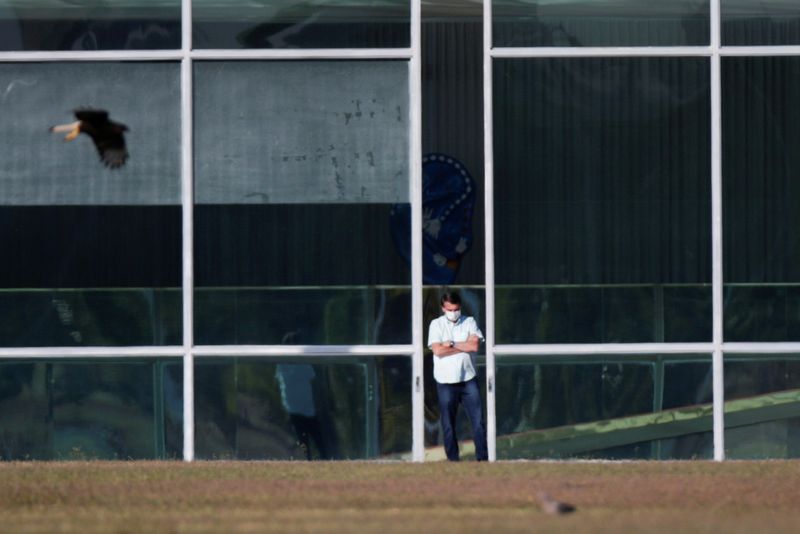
[{"x": 454, "y": 339}]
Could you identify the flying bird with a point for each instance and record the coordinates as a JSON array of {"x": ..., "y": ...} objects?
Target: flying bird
[
  {"x": 551, "y": 506},
  {"x": 107, "y": 135}
]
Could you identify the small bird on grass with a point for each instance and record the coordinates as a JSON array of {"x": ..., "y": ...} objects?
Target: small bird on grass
[
  {"x": 107, "y": 135},
  {"x": 551, "y": 506}
]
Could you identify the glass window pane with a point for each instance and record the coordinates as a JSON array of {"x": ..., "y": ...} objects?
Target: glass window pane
[
  {"x": 55, "y": 25},
  {"x": 303, "y": 409},
  {"x": 761, "y": 127},
  {"x": 765, "y": 22},
  {"x": 296, "y": 24},
  {"x": 762, "y": 403},
  {"x": 96, "y": 251},
  {"x": 602, "y": 200},
  {"x": 452, "y": 144},
  {"x": 600, "y": 23},
  {"x": 644, "y": 407},
  {"x": 81, "y": 409},
  {"x": 296, "y": 186}
]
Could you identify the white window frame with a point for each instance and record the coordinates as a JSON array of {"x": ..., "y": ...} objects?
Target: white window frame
[
  {"x": 717, "y": 347},
  {"x": 186, "y": 55}
]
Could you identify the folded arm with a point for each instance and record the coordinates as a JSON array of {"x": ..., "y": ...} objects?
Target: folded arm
[{"x": 441, "y": 350}]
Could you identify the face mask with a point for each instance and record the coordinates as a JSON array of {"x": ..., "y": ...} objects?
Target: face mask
[{"x": 452, "y": 315}]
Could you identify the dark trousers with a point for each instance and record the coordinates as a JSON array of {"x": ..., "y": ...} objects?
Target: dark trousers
[
  {"x": 307, "y": 429},
  {"x": 468, "y": 394}
]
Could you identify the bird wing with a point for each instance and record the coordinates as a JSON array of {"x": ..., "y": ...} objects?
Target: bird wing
[
  {"x": 111, "y": 147},
  {"x": 107, "y": 136}
]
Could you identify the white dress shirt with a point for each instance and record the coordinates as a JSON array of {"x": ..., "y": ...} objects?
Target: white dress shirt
[{"x": 458, "y": 367}]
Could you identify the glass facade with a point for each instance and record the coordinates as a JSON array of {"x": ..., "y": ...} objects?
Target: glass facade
[
  {"x": 766, "y": 22},
  {"x": 30, "y": 25},
  {"x": 760, "y": 194},
  {"x": 83, "y": 409},
  {"x": 294, "y": 186},
  {"x": 601, "y": 199},
  {"x": 608, "y": 185},
  {"x": 298, "y": 24},
  {"x": 92, "y": 256},
  {"x": 303, "y": 409},
  {"x": 761, "y": 409},
  {"x": 600, "y": 23},
  {"x": 624, "y": 407}
]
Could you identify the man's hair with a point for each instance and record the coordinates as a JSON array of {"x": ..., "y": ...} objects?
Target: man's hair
[{"x": 450, "y": 296}]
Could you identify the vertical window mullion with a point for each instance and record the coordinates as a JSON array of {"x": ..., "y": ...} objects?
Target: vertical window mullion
[
  {"x": 415, "y": 155},
  {"x": 187, "y": 210},
  {"x": 488, "y": 191},
  {"x": 716, "y": 234}
]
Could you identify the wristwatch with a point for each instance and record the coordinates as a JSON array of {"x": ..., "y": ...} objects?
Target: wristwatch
[{"x": 452, "y": 344}]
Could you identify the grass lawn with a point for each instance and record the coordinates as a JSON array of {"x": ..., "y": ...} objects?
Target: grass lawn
[{"x": 398, "y": 497}]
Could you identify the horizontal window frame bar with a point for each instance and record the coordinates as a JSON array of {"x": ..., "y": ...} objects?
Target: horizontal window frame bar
[
  {"x": 91, "y": 352},
  {"x": 603, "y": 349},
  {"x": 738, "y": 51},
  {"x": 599, "y": 51},
  {"x": 203, "y": 351},
  {"x": 595, "y": 359},
  {"x": 91, "y": 55},
  {"x": 208, "y": 55},
  {"x": 389, "y": 53},
  {"x": 206, "y": 350},
  {"x": 643, "y": 51},
  {"x": 300, "y": 53},
  {"x": 504, "y": 350},
  {"x": 777, "y": 347}
]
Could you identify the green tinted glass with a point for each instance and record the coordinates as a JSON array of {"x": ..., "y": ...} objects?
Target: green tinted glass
[
  {"x": 765, "y": 22},
  {"x": 761, "y": 124},
  {"x": 634, "y": 407},
  {"x": 91, "y": 409},
  {"x": 600, "y": 23},
  {"x": 762, "y": 397},
  {"x": 303, "y": 409},
  {"x": 602, "y": 200}
]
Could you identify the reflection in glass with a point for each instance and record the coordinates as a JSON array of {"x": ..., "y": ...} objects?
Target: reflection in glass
[
  {"x": 90, "y": 317},
  {"x": 297, "y": 316},
  {"x": 766, "y": 22},
  {"x": 308, "y": 409},
  {"x": 761, "y": 128},
  {"x": 295, "y": 187},
  {"x": 452, "y": 127},
  {"x": 93, "y": 255},
  {"x": 762, "y": 394},
  {"x": 61, "y": 25},
  {"x": 602, "y": 199},
  {"x": 604, "y": 314},
  {"x": 600, "y": 23},
  {"x": 297, "y": 24},
  {"x": 91, "y": 409},
  {"x": 634, "y": 407}
]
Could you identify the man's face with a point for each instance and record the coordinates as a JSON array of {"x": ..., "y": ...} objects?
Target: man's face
[
  {"x": 449, "y": 306},
  {"x": 451, "y": 311}
]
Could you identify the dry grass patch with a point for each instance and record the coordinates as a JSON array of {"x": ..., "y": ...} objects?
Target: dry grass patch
[{"x": 371, "y": 497}]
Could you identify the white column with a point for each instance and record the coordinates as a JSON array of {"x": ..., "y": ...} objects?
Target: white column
[
  {"x": 488, "y": 192},
  {"x": 716, "y": 233},
  {"x": 187, "y": 203},
  {"x": 415, "y": 175}
]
